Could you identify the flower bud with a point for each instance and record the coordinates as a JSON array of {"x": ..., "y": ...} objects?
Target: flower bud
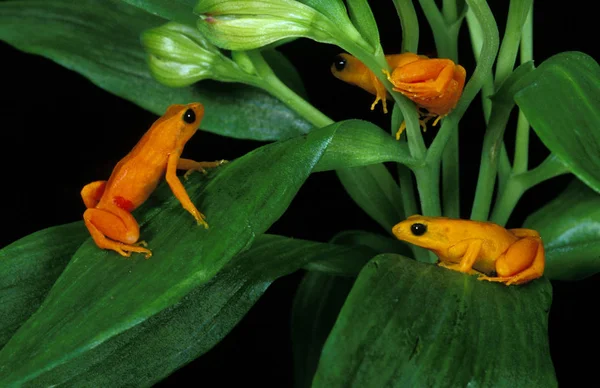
[
  {"x": 179, "y": 56},
  {"x": 250, "y": 24}
]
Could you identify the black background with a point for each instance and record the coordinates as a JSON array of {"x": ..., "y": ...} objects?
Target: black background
[{"x": 60, "y": 132}]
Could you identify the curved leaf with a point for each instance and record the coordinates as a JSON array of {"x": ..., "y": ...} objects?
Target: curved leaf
[
  {"x": 152, "y": 350},
  {"x": 364, "y": 21},
  {"x": 563, "y": 106},
  {"x": 100, "y": 295},
  {"x": 29, "y": 267},
  {"x": 570, "y": 229},
  {"x": 64, "y": 31},
  {"x": 409, "y": 324},
  {"x": 317, "y": 303},
  {"x": 362, "y": 147}
]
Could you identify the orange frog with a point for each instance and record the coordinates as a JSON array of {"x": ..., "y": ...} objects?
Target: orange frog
[
  {"x": 157, "y": 154},
  {"x": 433, "y": 84},
  {"x": 515, "y": 256}
]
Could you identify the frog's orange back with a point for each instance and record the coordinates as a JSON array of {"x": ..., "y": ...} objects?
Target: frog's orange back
[{"x": 136, "y": 175}]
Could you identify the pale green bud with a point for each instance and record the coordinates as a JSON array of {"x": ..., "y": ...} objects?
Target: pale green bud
[
  {"x": 179, "y": 56},
  {"x": 250, "y": 24}
]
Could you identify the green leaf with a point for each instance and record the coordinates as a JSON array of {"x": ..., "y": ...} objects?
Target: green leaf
[
  {"x": 101, "y": 295},
  {"x": 29, "y": 267},
  {"x": 563, "y": 106},
  {"x": 153, "y": 349},
  {"x": 317, "y": 303},
  {"x": 181, "y": 11},
  {"x": 364, "y": 21},
  {"x": 64, "y": 31},
  {"x": 570, "y": 229},
  {"x": 369, "y": 144},
  {"x": 334, "y": 10},
  {"x": 410, "y": 324},
  {"x": 375, "y": 191}
]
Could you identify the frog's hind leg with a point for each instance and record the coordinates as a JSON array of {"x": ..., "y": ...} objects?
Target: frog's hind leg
[
  {"x": 122, "y": 233},
  {"x": 523, "y": 261},
  {"x": 92, "y": 192}
]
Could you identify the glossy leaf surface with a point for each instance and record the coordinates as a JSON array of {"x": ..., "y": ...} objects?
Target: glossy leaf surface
[
  {"x": 570, "y": 229},
  {"x": 63, "y": 31},
  {"x": 410, "y": 324}
]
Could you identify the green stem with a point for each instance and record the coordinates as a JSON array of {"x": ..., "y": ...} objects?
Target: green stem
[
  {"x": 483, "y": 70},
  {"x": 409, "y": 24},
  {"x": 521, "y": 161},
  {"x": 487, "y": 88},
  {"x": 517, "y": 14},
  {"x": 520, "y": 183},
  {"x": 492, "y": 143},
  {"x": 272, "y": 84},
  {"x": 504, "y": 169},
  {"x": 446, "y": 40},
  {"x": 449, "y": 11}
]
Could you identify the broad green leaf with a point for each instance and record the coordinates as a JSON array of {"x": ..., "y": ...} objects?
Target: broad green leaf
[
  {"x": 334, "y": 10},
  {"x": 364, "y": 21},
  {"x": 29, "y": 267},
  {"x": 180, "y": 11},
  {"x": 100, "y": 40},
  {"x": 570, "y": 229},
  {"x": 152, "y": 350},
  {"x": 100, "y": 295},
  {"x": 317, "y": 303},
  {"x": 563, "y": 106},
  {"x": 349, "y": 148},
  {"x": 375, "y": 191},
  {"x": 410, "y": 324},
  {"x": 164, "y": 342}
]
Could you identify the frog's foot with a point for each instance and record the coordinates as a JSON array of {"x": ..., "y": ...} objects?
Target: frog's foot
[
  {"x": 200, "y": 219},
  {"x": 136, "y": 248},
  {"x": 400, "y": 130},
  {"x": 422, "y": 123},
  {"x": 202, "y": 166},
  {"x": 383, "y": 103}
]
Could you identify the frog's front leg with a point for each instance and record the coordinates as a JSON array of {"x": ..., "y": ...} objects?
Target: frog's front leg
[
  {"x": 380, "y": 93},
  {"x": 119, "y": 226},
  {"x": 178, "y": 189},
  {"x": 522, "y": 262},
  {"x": 192, "y": 165},
  {"x": 467, "y": 251}
]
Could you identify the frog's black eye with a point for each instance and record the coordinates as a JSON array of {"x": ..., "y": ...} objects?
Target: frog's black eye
[
  {"x": 189, "y": 116},
  {"x": 339, "y": 62},
  {"x": 418, "y": 229}
]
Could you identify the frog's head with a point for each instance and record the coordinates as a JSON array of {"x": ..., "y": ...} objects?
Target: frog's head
[
  {"x": 427, "y": 232},
  {"x": 347, "y": 68}
]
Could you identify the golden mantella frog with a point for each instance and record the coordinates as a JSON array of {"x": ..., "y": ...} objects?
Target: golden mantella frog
[
  {"x": 434, "y": 84},
  {"x": 514, "y": 256},
  {"x": 110, "y": 203}
]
